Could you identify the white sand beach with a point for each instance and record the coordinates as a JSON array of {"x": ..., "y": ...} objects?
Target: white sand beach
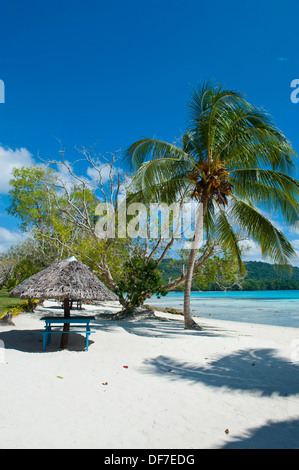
[{"x": 231, "y": 385}]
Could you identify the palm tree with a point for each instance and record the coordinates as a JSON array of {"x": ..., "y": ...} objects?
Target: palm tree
[{"x": 231, "y": 159}]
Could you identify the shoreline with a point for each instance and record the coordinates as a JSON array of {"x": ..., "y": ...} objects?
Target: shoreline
[
  {"x": 229, "y": 290},
  {"x": 150, "y": 384},
  {"x": 268, "y": 308}
]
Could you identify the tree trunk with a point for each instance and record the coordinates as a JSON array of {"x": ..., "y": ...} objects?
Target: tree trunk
[
  {"x": 66, "y": 326},
  {"x": 189, "y": 322}
]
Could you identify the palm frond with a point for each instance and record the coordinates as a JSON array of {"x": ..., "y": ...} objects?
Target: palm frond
[
  {"x": 269, "y": 197},
  {"x": 162, "y": 179},
  {"x": 206, "y": 107},
  {"x": 148, "y": 149},
  {"x": 275, "y": 179},
  {"x": 272, "y": 241},
  {"x": 226, "y": 126},
  {"x": 256, "y": 146},
  {"x": 227, "y": 237}
]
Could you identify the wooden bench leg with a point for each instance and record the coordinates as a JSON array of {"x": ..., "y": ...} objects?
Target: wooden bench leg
[
  {"x": 87, "y": 339},
  {"x": 48, "y": 332},
  {"x": 49, "y": 335},
  {"x": 44, "y": 341},
  {"x": 46, "y": 337}
]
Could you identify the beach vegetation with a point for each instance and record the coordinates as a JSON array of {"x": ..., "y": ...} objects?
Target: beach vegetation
[{"x": 9, "y": 305}]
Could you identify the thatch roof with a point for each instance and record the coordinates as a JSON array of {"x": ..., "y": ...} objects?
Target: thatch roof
[{"x": 66, "y": 279}]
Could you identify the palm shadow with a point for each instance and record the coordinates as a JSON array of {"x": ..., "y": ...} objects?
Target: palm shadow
[
  {"x": 274, "y": 435},
  {"x": 258, "y": 371},
  {"x": 154, "y": 327}
]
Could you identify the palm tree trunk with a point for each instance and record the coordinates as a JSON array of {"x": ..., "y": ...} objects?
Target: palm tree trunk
[
  {"x": 189, "y": 322},
  {"x": 66, "y": 326}
]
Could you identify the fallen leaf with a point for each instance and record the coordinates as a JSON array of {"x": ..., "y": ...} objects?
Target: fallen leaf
[
  {"x": 226, "y": 431},
  {"x": 59, "y": 377},
  {"x": 104, "y": 383},
  {"x": 125, "y": 367}
]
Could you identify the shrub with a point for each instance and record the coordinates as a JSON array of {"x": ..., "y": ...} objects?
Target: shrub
[
  {"x": 141, "y": 280},
  {"x": 25, "y": 306}
]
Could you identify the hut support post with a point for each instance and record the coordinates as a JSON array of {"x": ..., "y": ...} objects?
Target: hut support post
[{"x": 66, "y": 326}]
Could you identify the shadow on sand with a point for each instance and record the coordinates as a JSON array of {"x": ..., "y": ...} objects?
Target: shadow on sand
[
  {"x": 259, "y": 371},
  {"x": 30, "y": 341},
  {"x": 155, "y": 327},
  {"x": 274, "y": 435}
]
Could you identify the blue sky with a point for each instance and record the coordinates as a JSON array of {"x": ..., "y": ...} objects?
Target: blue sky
[{"x": 113, "y": 71}]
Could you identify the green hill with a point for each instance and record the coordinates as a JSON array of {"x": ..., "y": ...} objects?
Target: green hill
[
  {"x": 259, "y": 270},
  {"x": 260, "y": 275}
]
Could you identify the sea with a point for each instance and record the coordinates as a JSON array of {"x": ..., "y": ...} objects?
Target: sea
[{"x": 276, "y": 307}]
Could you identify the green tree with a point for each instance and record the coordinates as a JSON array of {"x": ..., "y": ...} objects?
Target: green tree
[
  {"x": 221, "y": 271},
  {"x": 233, "y": 160},
  {"x": 29, "y": 196},
  {"x": 24, "y": 269},
  {"x": 141, "y": 279}
]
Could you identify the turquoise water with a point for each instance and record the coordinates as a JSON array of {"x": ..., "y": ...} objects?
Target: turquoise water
[{"x": 280, "y": 308}]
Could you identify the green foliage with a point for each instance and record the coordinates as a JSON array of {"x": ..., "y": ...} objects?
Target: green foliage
[
  {"x": 223, "y": 271},
  {"x": 29, "y": 198},
  {"x": 23, "y": 270},
  {"x": 38, "y": 201},
  {"x": 265, "y": 271},
  {"x": 91, "y": 251},
  {"x": 140, "y": 278},
  {"x": 24, "y": 260},
  {"x": 25, "y": 306},
  {"x": 271, "y": 284}
]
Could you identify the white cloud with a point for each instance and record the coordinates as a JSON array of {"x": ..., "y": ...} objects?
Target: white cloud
[
  {"x": 10, "y": 159},
  {"x": 105, "y": 173},
  {"x": 252, "y": 251},
  {"x": 295, "y": 244},
  {"x": 273, "y": 219},
  {"x": 93, "y": 174},
  {"x": 294, "y": 229},
  {"x": 9, "y": 238}
]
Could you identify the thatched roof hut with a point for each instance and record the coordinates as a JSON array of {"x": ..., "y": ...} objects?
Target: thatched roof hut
[{"x": 66, "y": 279}]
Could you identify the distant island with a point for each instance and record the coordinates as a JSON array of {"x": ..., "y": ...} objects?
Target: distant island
[{"x": 260, "y": 276}]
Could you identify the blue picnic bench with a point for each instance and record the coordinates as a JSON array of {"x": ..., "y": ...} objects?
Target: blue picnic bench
[{"x": 77, "y": 321}]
